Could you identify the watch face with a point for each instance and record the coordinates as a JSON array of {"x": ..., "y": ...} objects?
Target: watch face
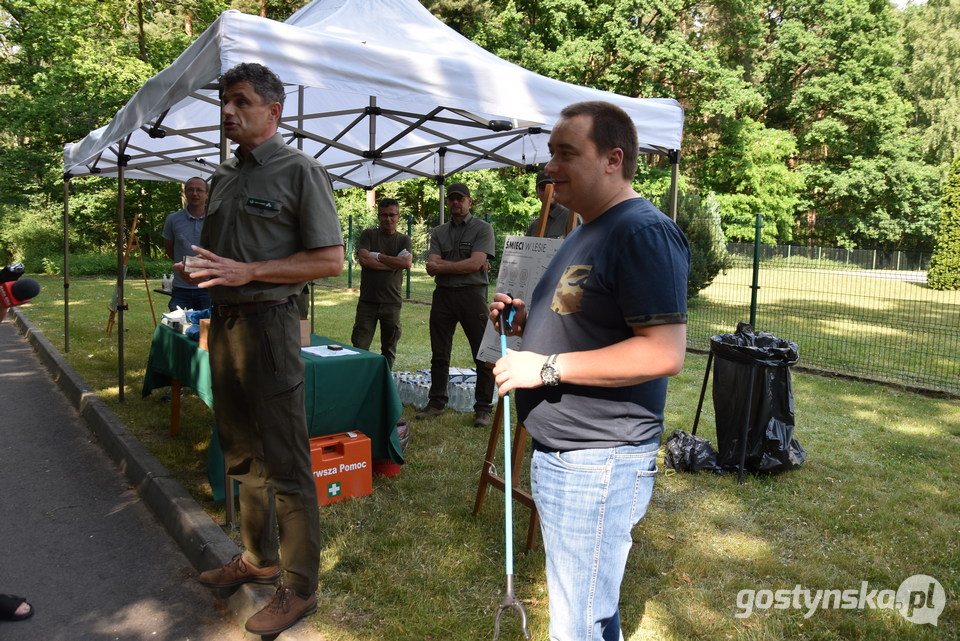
[{"x": 549, "y": 375}]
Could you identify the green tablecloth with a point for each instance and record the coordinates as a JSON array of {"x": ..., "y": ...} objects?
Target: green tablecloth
[{"x": 350, "y": 392}]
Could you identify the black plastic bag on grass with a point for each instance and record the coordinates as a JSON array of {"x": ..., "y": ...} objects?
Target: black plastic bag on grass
[
  {"x": 753, "y": 395},
  {"x": 689, "y": 453}
]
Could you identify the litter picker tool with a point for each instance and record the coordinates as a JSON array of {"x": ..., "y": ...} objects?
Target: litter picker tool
[{"x": 509, "y": 599}]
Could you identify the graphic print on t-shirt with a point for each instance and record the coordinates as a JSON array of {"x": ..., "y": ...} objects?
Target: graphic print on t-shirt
[{"x": 568, "y": 296}]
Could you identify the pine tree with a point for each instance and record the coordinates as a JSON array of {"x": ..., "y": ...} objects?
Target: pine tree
[{"x": 944, "y": 270}]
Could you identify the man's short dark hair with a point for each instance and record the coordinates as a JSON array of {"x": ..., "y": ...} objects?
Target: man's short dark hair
[
  {"x": 387, "y": 202},
  {"x": 612, "y": 129},
  {"x": 264, "y": 82}
]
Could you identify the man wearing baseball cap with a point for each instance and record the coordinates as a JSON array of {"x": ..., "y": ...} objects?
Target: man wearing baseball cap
[
  {"x": 457, "y": 259},
  {"x": 558, "y": 218}
]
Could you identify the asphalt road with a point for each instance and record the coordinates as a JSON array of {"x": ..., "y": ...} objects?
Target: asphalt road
[{"x": 77, "y": 540}]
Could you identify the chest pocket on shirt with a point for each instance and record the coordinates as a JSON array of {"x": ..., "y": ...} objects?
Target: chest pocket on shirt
[
  {"x": 568, "y": 296},
  {"x": 262, "y": 207}
]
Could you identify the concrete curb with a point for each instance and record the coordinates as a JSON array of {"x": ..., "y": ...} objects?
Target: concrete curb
[{"x": 200, "y": 539}]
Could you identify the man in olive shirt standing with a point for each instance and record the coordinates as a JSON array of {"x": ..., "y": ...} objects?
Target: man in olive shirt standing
[
  {"x": 271, "y": 226},
  {"x": 384, "y": 254},
  {"x": 458, "y": 255}
]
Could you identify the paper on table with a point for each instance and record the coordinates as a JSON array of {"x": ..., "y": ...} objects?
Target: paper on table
[{"x": 325, "y": 351}]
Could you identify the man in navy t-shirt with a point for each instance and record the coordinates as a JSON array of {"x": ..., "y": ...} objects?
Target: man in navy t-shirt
[{"x": 605, "y": 327}]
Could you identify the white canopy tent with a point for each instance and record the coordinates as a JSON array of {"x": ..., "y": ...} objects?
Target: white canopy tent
[{"x": 378, "y": 91}]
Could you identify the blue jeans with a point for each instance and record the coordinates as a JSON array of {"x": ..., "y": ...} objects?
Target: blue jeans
[
  {"x": 589, "y": 501},
  {"x": 189, "y": 298}
]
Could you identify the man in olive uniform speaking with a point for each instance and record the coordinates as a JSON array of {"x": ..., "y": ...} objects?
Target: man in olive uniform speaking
[
  {"x": 458, "y": 255},
  {"x": 271, "y": 226}
]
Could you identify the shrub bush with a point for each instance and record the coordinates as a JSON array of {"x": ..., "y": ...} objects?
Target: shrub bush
[
  {"x": 944, "y": 272},
  {"x": 30, "y": 236},
  {"x": 700, "y": 221},
  {"x": 101, "y": 264}
]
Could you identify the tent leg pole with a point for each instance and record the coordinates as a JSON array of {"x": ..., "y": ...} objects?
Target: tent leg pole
[
  {"x": 122, "y": 267},
  {"x": 703, "y": 392},
  {"x": 443, "y": 189},
  {"x": 66, "y": 265},
  {"x": 674, "y": 156}
]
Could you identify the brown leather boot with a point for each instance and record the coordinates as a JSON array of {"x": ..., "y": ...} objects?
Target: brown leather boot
[
  {"x": 237, "y": 572},
  {"x": 429, "y": 412},
  {"x": 285, "y": 609}
]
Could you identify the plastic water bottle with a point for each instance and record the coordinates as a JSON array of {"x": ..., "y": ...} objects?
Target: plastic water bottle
[
  {"x": 421, "y": 391},
  {"x": 455, "y": 396}
]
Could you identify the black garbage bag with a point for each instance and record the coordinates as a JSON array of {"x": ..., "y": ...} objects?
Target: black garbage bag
[
  {"x": 752, "y": 388},
  {"x": 689, "y": 453}
]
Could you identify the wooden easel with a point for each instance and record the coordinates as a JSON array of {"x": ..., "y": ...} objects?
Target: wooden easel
[
  {"x": 487, "y": 475},
  {"x": 114, "y": 303},
  {"x": 545, "y": 211},
  {"x": 489, "y": 478}
]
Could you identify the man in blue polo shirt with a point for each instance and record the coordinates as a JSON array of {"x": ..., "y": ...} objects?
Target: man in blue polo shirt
[{"x": 182, "y": 229}]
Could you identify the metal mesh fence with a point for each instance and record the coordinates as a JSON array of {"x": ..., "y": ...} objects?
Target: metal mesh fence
[{"x": 860, "y": 312}]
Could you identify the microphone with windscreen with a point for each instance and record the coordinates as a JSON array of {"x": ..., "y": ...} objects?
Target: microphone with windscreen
[{"x": 18, "y": 292}]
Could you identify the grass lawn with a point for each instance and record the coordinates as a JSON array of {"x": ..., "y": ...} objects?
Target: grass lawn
[{"x": 877, "y": 501}]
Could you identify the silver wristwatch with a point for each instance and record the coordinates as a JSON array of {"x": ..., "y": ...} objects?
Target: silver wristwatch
[{"x": 550, "y": 373}]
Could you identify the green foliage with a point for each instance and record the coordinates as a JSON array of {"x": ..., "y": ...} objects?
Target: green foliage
[
  {"x": 66, "y": 68},
  {"x": 105, "y": 265},
  {"x": 51, "y": 266},
  {"x": 508, "y": 196},
  {"x": 944, "y": 272},
  {"x": 353, "y": 210},
  {"x": 833, "y": 80},
  {"x": 832, "y": 120},
  {"x": 699, "y": 218},
  {"x": 794, "y": 110},
  {"x": 29, "y": 236},
  {"x": 419, "y": 240},
  {"x": 278, "y": 10},
  {"x": 749, "y": 175},
  {"x": 93, "y": 212},
  {"x": 932, "y": 36}
]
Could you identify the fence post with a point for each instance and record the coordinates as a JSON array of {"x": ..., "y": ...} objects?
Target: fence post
[
  {"x": 756, "y": 271},
  {"x": 410, "y": 236},
  {"x": 350, "y": 251}
]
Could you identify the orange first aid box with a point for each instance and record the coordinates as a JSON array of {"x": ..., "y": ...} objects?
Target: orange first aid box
[{"x": 342, "y": 467}]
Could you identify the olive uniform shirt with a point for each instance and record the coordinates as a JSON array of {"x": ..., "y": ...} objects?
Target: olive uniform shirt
[
  {"x": 278, "y": 203},
  {"x": 557, "y": 220},
  {"x": 381, "y": 286},
  {"x": 457, "y": 242}
]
